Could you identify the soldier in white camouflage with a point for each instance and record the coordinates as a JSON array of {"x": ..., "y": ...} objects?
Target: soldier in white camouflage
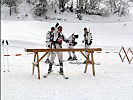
[
  {"x": 87, "y": 40},
  {"x": 49, "y": 40},
  {"x": 57, "y": 44}
]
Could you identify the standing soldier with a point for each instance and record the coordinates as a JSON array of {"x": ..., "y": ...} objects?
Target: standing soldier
[
  {"x": 57, "y": 44},
  {"x": 49, "y": 39},
  {"x": 87, "y": 40},
  {"x": 71, "y": 45}
]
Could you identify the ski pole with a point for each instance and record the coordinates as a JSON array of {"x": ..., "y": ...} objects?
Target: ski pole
[
  {"x": 3, "y": 55},
  {"x": 7, "y": 59},
  {"x": 7, "y": 54}
]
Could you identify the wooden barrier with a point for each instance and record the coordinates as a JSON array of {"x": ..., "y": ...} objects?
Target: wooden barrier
[
  {"x": 126, "y": 54},
  {"x": 37, "y": 59}
]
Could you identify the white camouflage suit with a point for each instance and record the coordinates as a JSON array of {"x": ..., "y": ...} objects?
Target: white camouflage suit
[
  {"x": 71, "y": 45},
  {"x": 87, "y": 40},
  {"x": 57, "y": 44},
  {"x": 49, "y": 37}
]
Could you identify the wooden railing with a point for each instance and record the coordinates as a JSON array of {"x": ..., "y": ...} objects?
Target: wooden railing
[{"x": 37, "y": 59}]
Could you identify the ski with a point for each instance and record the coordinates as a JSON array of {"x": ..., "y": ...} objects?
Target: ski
[
  {"x": 71, "y": 60},
  {"x": 82, "y": 63},
  {"x": 46, "y": 75},
  {"x": 45, "y": 62},
  {"x": 64, "y": 76}
]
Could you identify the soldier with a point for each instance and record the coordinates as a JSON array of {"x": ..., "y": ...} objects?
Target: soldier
[
  {"x": 57, "y": 44},
  {"x": 71, "y": 44},
  {"x": 87, "y": 40},
  {"x": 49, "y": 40}
]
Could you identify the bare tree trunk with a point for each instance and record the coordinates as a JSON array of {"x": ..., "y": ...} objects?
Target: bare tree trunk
[
  {"x": 77, "y": 4},
  {"x": 112, "y": 4},
  {"x": 86, "y": 2},
  {"x": 92, "y": 4},
  {"x": 61, "y": 4},
  {"x": 10, "y": 11},
  {"x": 81, "y": 3}
]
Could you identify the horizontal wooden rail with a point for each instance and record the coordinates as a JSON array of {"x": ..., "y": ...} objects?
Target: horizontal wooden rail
[{"x": 63, "y": 50}]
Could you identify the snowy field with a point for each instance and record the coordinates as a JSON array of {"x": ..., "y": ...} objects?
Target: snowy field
[{"x": 113, "y": 81}]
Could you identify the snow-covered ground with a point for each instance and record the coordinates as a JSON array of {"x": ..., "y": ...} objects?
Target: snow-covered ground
[{"x": 113, "y": 81}]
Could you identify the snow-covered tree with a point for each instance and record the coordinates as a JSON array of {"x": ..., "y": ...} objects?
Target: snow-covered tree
[
  {"x": 2, "y": 2},
  {"x": 53, "y": 5},
  {"x": 71, "y": 7},
  {"x": 119, "y": 7},
  {"x": 89, "y": 6},
  {"x": 12, "y": 4},
  {"x": 84, "y": 6},
  {"x": 62, "y": 4},
  {"x": 40, "y": 7}
]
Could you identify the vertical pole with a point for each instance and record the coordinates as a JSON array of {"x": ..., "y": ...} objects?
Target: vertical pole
[
  {"x": 3, "y": 58},
  {"x": 38, "y": 66},
  {"x": 7, "y": 59},
  {"x": 92, "y": 59},
  {"x": 33, "y": 64},
  {"x": 87, "y": 62}
]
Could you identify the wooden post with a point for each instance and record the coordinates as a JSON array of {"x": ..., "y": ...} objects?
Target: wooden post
[
  {"x": 33, "y": 64},
  {"x": 36, "y": 63},
  {"x": 92, "y": 59},
  {"x": 38, "y": 66},
  {"x": 87, "y": 62}
]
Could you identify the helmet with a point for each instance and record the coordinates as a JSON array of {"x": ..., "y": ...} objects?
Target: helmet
[
  {"x": 85, "y": 28},
  {"x": 52, "y": 28},
  {"x": 60, "y": 28}
]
